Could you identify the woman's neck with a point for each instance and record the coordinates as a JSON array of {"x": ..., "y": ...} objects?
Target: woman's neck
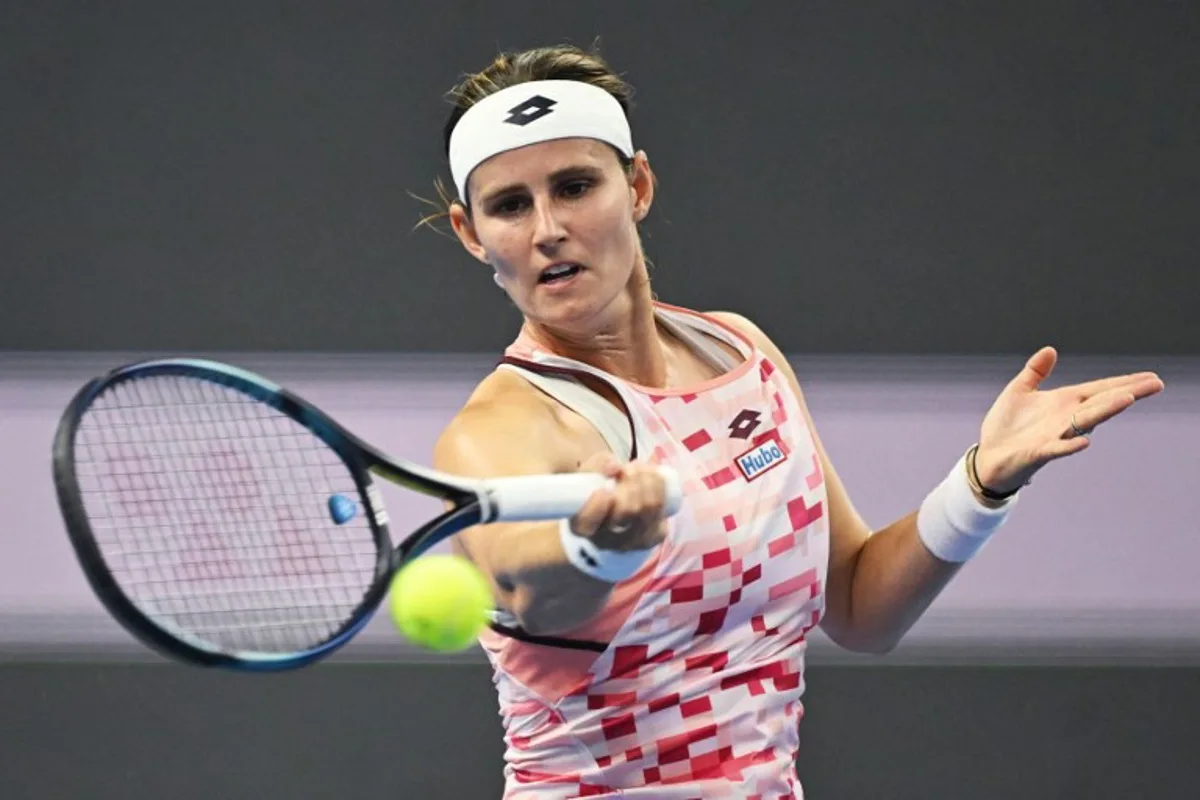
[{"x": 627, "y": 344}]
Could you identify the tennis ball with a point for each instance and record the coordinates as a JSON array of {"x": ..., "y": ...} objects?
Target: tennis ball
[{"x": 440, "y": 602}]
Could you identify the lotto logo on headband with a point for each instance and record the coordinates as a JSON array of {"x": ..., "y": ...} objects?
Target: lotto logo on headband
[
  {"x": 501, "y": 122},
  {"x": 531, "y": 110}
]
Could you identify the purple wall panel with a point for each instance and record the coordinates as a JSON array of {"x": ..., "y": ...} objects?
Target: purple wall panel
[{"x": 1101, "y": 544}]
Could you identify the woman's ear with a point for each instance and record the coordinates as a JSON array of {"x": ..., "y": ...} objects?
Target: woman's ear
[
  {"x": 641, "y": 184},
  {"x": 464, "y": 229}
]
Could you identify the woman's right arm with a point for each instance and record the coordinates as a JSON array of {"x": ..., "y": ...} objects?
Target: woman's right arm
[{"x": 531, "y": 576}]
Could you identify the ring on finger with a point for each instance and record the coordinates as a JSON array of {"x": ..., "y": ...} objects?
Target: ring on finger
[{"x": 1076, "y": 430}]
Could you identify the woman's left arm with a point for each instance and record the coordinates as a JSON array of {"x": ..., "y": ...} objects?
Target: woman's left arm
[{"x": 879, "y": 584}]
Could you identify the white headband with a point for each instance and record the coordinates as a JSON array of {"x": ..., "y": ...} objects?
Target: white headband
[{"x": 532, "y": 112}]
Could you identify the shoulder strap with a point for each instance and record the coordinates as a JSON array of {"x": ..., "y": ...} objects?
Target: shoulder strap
[
  {"x": 608, "y": 420},
  {"x": 704, "y": 347}
]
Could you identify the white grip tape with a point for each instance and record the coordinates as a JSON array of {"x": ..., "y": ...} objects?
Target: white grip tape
[
  {"x": 537, "y": 497},
  {"x": 606, "y": 565},
  {"x": 953, "y": 524}
]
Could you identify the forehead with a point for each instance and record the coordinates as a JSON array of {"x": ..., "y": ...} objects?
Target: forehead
[{"x": 534, "y": 163}]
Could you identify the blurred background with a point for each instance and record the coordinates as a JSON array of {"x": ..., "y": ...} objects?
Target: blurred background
[{"x": 910, "y": 198}]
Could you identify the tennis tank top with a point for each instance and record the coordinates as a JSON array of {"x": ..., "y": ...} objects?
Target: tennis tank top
[{"x": 688, "y": 683}]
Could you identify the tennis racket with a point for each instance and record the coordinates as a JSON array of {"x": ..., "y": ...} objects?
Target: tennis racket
[{"x": 224, "y": 521}]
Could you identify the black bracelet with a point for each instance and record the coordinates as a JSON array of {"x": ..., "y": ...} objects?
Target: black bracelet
[{"x": 976, "y": 484}]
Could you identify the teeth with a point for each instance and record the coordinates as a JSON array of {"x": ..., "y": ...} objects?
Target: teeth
[{"x": 558, "y": 271}]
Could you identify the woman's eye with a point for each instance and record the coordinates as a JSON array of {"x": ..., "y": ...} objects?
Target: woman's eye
[
  {"x": 576, "y": 188},
  {"x": 511, "y": 205}
]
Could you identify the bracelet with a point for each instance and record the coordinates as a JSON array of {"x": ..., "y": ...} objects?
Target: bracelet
[
  {"x": 977, "y": 485},
  {"x": 609, "y": 566},
  {"x": 953, "y": 523}
]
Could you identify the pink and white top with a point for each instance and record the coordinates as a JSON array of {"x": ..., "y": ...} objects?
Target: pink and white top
[{"x": 698, "y": 692}]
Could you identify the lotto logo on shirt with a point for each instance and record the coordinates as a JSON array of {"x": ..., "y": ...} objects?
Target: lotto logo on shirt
[{"x": 756, "y": 461}]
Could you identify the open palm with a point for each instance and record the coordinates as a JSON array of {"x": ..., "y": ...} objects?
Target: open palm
[{"x": 1027, "y": 427}]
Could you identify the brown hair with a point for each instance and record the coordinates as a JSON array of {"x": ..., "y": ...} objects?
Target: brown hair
[{"x": 556, "y": 62}]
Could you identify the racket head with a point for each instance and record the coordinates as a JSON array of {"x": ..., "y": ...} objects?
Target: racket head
[{"x": 164, "y": 633}]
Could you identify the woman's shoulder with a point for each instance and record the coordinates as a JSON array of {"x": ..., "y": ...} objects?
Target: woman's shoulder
[
  {"x": 761, "y": 340},
  {"x": 502, "y": 397},
  {"x": 504, "y": 417},
  {"x": 739, "y": 323},
  {"x": 747, "y": 329}
]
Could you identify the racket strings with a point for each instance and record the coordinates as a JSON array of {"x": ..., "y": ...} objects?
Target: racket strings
[{"x": 210, "y": 509}]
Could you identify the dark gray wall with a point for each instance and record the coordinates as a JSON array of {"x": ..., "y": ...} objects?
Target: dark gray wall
[
  {"x": 71, "y": 731},
  {"x": 859, "y": 177}
]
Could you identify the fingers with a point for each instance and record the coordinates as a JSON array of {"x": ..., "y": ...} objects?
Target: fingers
[
  {"x": 1101, "y": 409},
  {"x": 1139, "y": 384},
  {"x": 628, "y": 516},
  {"x": 1061, "y": 448},
  {"x": 1036, "y": 369},
  {"x": 640, "y": 497},
  {"x": 1147, "y": 386},
  {"x": 1108, "y": 398},
  {"x": 594, "y": 512},
  {"x": 1102, "y": 400},
  {"x": 600, "y": 505},
  {"x": 1041, "y": 364}
]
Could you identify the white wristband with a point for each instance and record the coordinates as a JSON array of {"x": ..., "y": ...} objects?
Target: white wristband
[
  {"x": 610, "y": 566},
  {"x": 952, "y": 523}
]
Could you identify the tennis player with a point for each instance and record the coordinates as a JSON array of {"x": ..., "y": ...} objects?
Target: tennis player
[{"x": 638, "y": 656}]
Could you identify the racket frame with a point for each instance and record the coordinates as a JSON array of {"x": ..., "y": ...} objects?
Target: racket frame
[{"x": 361, "y": 459}]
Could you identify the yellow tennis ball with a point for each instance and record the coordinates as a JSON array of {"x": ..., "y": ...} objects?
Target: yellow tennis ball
[{"x": 440, "y": 602}]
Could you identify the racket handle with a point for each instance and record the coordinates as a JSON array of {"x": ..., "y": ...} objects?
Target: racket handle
[{"x": 537, "y": 497}]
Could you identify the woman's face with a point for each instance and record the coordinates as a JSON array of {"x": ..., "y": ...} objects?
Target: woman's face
[{"x": 558, "y": 222}]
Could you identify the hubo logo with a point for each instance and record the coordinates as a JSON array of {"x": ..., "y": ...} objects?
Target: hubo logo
[
  {"x": 532, "y": 109},
  {"x": 768, "y": 455}
]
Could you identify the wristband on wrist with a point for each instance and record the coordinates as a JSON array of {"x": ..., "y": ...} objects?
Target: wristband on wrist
[
  {"x": 610, "y": 566},
  {"x": 953, "y": 523}
]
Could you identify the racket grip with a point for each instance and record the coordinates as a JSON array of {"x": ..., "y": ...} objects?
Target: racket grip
[{"x": 538, "y": 497}]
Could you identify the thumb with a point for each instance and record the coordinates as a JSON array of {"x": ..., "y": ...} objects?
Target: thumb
[
  {"x": 597, "y": 508},
  {"x": 1036, "y": 369},
  {"x": 595, "y": 511}
]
